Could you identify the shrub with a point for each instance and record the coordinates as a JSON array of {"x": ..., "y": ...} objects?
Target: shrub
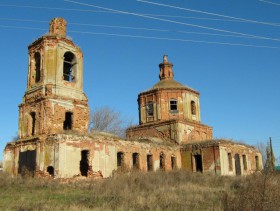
[{"x": 255, "y": 192}]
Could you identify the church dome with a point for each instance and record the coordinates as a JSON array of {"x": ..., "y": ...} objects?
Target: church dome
[{"x": 168, "y": 83}]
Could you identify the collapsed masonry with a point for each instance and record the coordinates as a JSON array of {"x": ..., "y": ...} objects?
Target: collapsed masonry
[{"x": 54, "y": 120}]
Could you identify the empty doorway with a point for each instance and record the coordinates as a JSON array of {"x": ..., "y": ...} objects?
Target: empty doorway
[
  {"x": 27, "y": 162},
  {"x": 135, "y": 161},
  {"x": 84, "y": 163},
  {"x": 173, "y": 163},
  {"x": 198, "y": 163}
]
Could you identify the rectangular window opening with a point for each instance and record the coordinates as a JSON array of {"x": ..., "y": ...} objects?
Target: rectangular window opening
[
  {"x": 237, "y": 164},
  {"x": 67, "y": 125},
  {"x": 257, "y": 163},
  {"x": 173, "y": 105},
  {"x": 229, "y": 162},
  {"x": 150, "y": 162},
  {"x": 120, "y": 159},
  {"x": 162, "y": 161},
  {"x": 244, "y": 162}
]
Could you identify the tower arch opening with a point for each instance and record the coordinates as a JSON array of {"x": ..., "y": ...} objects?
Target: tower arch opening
[
  {"x": 37, "y": 58},
  {"x": 69, "y": 67},
  {"x": 150, "y": 109},
  {"x": 193, "y": 108},
  {"x": 33, "y": 122}
]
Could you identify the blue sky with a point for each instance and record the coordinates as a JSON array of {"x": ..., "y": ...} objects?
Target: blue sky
[{"x": 232, "y": 61}]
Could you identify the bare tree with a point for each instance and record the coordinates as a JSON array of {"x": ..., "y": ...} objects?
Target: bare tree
[{"x": 105, "y": 119}]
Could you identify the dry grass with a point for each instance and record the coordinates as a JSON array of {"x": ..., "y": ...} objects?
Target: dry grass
[{"x": 178, "y": 190}]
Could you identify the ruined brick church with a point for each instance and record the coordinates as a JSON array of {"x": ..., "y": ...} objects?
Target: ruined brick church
[{"x": 54, "y": 121}]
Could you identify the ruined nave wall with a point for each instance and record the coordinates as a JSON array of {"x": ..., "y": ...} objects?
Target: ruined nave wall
[{"x": 67, "y": 155}]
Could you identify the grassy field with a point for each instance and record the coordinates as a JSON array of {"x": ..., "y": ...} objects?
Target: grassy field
[{"x": 177, "y": 190}]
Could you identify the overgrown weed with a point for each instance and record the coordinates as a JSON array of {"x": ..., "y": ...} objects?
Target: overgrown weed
[{"x": 175, "y": 190}]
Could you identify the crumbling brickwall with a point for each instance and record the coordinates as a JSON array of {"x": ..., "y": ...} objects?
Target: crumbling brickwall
[
  {"x": 60, "y": 155},
  {"x": 161, "y": 104},
  {"x": 215, "y": 157},
  {"x": 50, "y": 116},
  {"x": 180, "y": 132}
]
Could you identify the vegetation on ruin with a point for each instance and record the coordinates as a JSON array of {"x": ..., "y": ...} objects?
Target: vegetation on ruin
[{"x": 176, "y": 190}]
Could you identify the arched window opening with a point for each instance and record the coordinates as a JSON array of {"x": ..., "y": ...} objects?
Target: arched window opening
[
  {"x": 67, "y": 124},
  {"x": 84, "y": 163},
  {"x": 162, "y": 161},
  {"x": 120, "y": 159},
  {"x": 33, "y": 122},
  {"x": 50, "y": 170},
  {"x": 135, "y": 161},
  {"x": 244, "y": 162},
  {"x": 257, "y": 163},
  {"x": 150, "y": 162},
  {"x": 69, "y": 67},
  {"x": 37, "y": 67},
  {"x": 229, "y": 162},
  {"x": 173, "y": 105},
  {"x": 173, "y": 162},
  {"x": 193, "y": 108},
  {"x": 237, "y": 164},
  {"x": 150, "y": 109}
]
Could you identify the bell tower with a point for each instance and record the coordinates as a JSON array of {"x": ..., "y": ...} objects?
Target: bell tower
[{"x": 54, "y": 100}]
